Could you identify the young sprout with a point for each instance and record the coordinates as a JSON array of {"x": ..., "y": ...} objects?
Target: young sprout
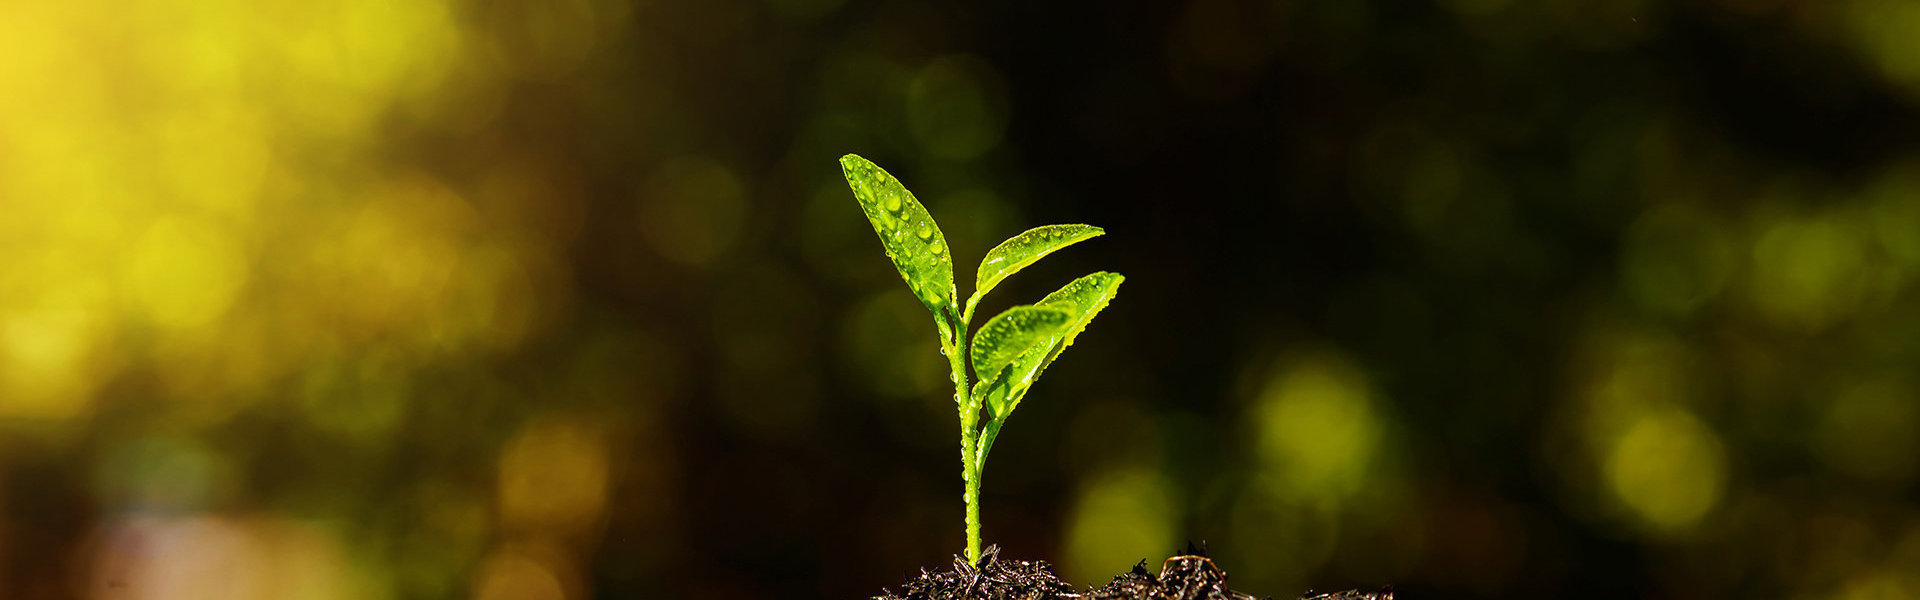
[{"x": 1010, "y": 351}]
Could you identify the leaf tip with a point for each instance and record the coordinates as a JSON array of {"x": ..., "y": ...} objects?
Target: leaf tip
[{"x": 857, "y": 168}]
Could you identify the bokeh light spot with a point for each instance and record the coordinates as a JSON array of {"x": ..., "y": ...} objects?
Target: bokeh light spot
[
  {"x": 1318, "y": 431},
  {"x": 553, "y": 477},
  {"x": 1667, "y": 469},
  {"x": 1122, "y": 516},
  {"x": 183, "y": 274},
  {"x": 49, "y": 354},
  {"x": 1807, "y": 273}
]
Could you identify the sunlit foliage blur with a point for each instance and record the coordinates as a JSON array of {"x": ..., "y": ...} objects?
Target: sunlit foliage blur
[
  {"x": 1484, "y": 298},
  {"x": 213, "y": 215}
]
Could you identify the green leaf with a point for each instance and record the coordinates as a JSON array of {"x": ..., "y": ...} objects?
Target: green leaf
[
  {"x": 1084, "y": 298},
  {"x": 1021, "y": 250},
  {"x": 909, "y": 235},
  {"x": 987, "y": 389},
  {"x": 1012, "y": 333},
  {"x": 1081, "y": 299},
  {"x": 985, "y": 445}
]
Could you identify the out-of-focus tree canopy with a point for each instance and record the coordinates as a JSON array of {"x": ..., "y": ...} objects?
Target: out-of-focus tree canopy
[{"x": 562, "y": 300}]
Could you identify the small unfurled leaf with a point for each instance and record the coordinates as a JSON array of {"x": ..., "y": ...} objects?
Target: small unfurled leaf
[
  {"x": 985, "y": 445},
  {"x": 989, "y": 391},
  {"x": 1081, "y": 299},
  {"x": 1012, "y": 333},
  {"x": 1021, "y": 250},
  {"x": 909, "y": 235}
]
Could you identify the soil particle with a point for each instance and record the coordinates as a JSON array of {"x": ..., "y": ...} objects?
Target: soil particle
[{"x": 1190, "y": 576}]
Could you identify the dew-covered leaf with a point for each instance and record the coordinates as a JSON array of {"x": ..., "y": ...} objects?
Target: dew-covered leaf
[
  {"x": 1084, "y": 298},
  {"x": 1012, "y": 333},
  {"x": 909, "y": 235},
  {"x": 1081, "y": 299},
  {"x": 1021, "y": 250}
]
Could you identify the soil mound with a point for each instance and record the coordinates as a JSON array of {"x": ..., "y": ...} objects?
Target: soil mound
[{"x": 1190, "y": 576}]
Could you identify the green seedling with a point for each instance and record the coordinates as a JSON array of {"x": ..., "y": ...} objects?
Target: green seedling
[{"x": 1010, "y": 351}]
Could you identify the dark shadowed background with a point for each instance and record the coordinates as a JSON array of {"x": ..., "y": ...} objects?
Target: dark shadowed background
[{"x": 560, "y": 300}]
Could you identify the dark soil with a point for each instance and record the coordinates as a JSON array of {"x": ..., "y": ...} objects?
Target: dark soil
[{"x": 1190, "y": 576}]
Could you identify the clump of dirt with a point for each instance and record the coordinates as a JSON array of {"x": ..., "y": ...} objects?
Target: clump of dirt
[
  {"x": 996, "y": 579},
  {"x": 1190, "y": 576}
]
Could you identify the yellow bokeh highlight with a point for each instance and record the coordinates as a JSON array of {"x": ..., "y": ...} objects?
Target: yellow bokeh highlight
[
  {"x": 1322, "y": 471},
  {"x": 183, "y": 274},
  {"x": 52, "y": 348},
  {"x": 208, "y": 194},
  {"x": 1668, "y": 469},
  {"x": 1318, "y": 431},
  {"x": 1122, "y": 516},
  {"x": 1809, "y": 272},
  {"x": 554, "y": 478},
  {"x": 1661, "y": 469}
]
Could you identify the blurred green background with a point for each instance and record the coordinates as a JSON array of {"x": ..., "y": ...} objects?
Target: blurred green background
[{"x": 558, "y": 300}]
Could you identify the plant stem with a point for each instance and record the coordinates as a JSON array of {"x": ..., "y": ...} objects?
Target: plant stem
[
  {"x": 969, "y": 419},
  {"x": 972, "y": 475}
]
